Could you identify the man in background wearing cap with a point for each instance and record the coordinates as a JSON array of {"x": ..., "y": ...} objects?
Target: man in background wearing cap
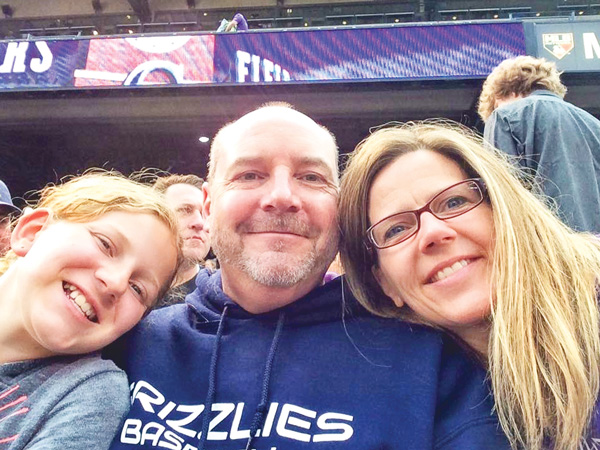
[{"x": 7, "y": 208}]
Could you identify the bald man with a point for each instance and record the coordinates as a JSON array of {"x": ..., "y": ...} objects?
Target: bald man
[{"x": 264, "y": 355}]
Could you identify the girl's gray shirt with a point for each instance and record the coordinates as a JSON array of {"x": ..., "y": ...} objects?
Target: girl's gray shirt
[{"x": 66, "y": 402}]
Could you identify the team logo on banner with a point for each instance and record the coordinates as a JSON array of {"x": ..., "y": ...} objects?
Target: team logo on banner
[{"x": 559, "y": 44}]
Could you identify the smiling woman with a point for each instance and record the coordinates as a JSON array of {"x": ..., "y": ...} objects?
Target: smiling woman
[
  {"x": 438, "y": 229},
  {"x": 84, "y": 267}
]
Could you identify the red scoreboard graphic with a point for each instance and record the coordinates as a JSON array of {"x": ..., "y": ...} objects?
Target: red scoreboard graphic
[{"x": 145, "y": 61}]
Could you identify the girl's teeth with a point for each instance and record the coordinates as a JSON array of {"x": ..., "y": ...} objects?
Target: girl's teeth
[{"x": 79, "y": 299}]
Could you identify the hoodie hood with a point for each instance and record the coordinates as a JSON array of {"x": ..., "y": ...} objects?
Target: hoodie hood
[{"x": 322, "y": 304}]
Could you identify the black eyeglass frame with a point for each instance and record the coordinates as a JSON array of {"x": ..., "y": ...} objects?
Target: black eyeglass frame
[{"x": 370, "y": 239}]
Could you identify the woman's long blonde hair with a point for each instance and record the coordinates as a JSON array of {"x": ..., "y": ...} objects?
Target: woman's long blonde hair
[
  {"x": 544, "y": 346},
  {"x": 97, "y": 192}
]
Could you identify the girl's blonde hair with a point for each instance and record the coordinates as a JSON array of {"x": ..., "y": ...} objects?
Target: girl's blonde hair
[
  {"x": 544, "y": 346},
  {"x": 87, "y": 197}
]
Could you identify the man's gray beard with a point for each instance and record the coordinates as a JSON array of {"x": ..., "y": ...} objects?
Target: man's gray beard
[{"x": 277, "y": 269}]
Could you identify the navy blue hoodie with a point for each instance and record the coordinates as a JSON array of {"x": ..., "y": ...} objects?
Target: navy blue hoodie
[{"x": 311, "y": 375}]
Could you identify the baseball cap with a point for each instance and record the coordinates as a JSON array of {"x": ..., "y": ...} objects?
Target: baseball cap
[{"x": 6, "y": 203}]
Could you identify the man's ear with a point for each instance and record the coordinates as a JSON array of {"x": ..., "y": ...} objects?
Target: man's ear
[
  {"x": 206, "y": 205},
  {"x": 387, "y": 286},
  {"x": 27, "y": 229}
]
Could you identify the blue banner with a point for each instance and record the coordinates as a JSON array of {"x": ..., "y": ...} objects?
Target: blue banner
[
  {"x": 40, "y": 64},
  {"x": 408, "y": 52},
  {"x": 441, "y": 51}
]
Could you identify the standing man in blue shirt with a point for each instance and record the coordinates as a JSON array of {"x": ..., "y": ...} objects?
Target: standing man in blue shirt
[{"x": 558, "y": 143}]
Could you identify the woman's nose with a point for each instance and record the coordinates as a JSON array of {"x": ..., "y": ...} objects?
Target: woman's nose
[{"x": 434, "y": 231}]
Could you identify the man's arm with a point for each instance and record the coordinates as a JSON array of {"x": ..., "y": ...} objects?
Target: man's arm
[{"x": 231, "y": 25}]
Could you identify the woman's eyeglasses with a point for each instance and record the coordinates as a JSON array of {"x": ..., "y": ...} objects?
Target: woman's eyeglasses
[{"x": 451, "y": 202}]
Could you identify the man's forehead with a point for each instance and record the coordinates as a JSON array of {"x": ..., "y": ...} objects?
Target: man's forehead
[
  {"x": 276, "y": 117},
  {"x": 278, "y": 130},
  {"x": 269, "y": 132},
  {"x": 181, "y": 192},
  {"x": 278, "y": 148},
  {"x": 273, "y": 114},
  {"x": 183, "y": 187},
  {"x": 256, "y": 157}
]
